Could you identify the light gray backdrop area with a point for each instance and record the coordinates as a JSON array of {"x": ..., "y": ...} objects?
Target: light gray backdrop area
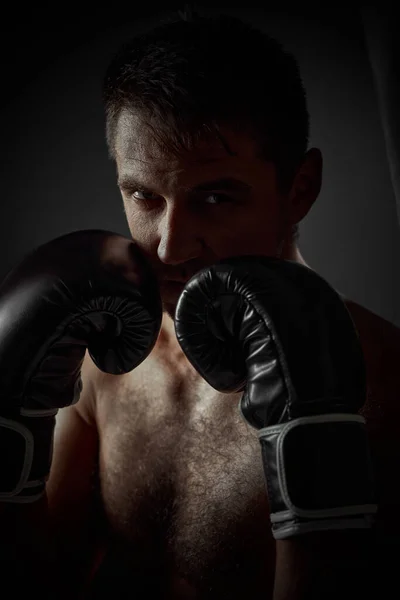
[{"x": 56, "y": 175}]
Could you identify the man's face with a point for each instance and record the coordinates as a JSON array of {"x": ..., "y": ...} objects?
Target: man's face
[{"x": 187, "y": 212}]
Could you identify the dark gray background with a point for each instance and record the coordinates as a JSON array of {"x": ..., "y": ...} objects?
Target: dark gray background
[{"x": 56, "y": 176}]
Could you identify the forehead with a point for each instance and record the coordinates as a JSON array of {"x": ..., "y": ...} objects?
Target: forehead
[{"x": 139, "y": 153}]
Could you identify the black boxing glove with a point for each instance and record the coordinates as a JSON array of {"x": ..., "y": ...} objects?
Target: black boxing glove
[
  {"x": 88, "y": 290},
  {"x": 280, "y": 333}
]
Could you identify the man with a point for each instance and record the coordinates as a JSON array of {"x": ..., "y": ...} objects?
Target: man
[{"x": 208, "y": 127}]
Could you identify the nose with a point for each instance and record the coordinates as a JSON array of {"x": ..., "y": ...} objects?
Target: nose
[{"x": 179, "y": 235}]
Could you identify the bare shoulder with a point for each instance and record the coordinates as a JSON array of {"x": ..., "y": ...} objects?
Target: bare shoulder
[
  {"x": 96, "y": 383},
  {"x": 374, "y": 330},
  {"x": 92, "y": 380},
  {"x": 107, "y": 397},
  {"x": 380, "y": 340}
]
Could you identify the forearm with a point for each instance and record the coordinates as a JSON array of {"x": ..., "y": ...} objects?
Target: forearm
[
  {"x": 27, "y": 554},
  {"x": 35, "y": 556},
  {"x": 326, "y": 565}
]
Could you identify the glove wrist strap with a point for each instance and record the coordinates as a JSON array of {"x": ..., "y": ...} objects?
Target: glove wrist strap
[
  {"x": 26, "y": 448},
  {"x": 319, "y": 474}
]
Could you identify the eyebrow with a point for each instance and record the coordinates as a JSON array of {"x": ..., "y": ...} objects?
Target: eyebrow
[{"x": 225, "y": 183}]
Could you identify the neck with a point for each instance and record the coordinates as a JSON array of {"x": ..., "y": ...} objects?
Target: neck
[{"x": 291, "y": 251}]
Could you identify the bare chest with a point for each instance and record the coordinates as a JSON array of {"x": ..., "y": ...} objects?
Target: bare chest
[
  {"x": 182, "y": 482},
  {"x": 183, "y": 488}
]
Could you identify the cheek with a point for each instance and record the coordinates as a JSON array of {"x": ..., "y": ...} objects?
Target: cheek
[
  {"x": 250, "y": 231},
  {"x": 143, "y": 229}
]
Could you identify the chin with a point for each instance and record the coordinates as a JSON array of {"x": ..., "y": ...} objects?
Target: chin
[
  {"x": 170, "y": 293},
  {"x": 169, "y": 308}
]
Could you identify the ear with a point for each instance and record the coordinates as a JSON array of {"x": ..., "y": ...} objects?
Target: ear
[{"x": 306, "y": 186}]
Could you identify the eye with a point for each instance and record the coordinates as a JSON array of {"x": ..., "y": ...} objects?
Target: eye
[
  {"x": 142, "y": 195},
  {"x": 144, "y": 199},
  {"x": 217, "y": 199}
]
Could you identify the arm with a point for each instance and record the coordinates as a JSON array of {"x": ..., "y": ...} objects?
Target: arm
[
  {"x": 53, "y": 542},
  {"x": 85, "y": 292},
  {"x": 26, "y": 552},
  {"x": 74, "y": 506},
  {"x": 365, "y": 562},
  {"x": 74, "y": 509},
  {"x": 327, "y": 565},
  {"x": 289, "y": 343}
]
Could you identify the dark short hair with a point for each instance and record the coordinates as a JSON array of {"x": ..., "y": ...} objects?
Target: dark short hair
[{"x": 187, "y": 76}]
